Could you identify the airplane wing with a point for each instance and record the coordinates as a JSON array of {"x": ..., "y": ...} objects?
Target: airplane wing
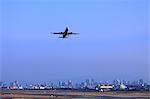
[
  {"x": 72, "y": 33},
  {"x": 58, "y": 33}
]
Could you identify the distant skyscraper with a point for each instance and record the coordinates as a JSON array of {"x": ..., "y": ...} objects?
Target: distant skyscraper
[
  {"x": 11, "y": 84},
  {"x": 124, "y": 82},
  {"x": 92, "y": 82},
  {"x": 70, "y": 83},
  {"x": 16, "y": 83},
  {"x": 1, "y": 83},
  {"x": 51, "y": 84},
  {"x": 141, "y": 82},
  {"x": 87, "y": 82},
  {"x": 116, "y": 82},
  {"x": 128, "y": 82},
  {"x": 135, "y": 83},
  {"x": 60, "y": 83},
  {"x": 63, "y": 84}
]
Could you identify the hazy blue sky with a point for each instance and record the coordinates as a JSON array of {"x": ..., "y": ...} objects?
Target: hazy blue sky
[{"x": 112, "y": 44}]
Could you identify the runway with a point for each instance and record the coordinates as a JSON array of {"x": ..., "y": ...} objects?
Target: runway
[{"x": 47, "y": 94}]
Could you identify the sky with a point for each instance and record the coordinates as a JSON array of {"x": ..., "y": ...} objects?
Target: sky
[{"x": 112, "y": 44}]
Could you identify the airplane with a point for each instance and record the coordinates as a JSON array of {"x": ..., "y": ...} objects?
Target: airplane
[{"x": 65, "y": 33}]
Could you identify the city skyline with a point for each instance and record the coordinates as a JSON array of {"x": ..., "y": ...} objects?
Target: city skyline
[
  {"x": 66, "y": 83},
  {"x": 112, "y": 44}
]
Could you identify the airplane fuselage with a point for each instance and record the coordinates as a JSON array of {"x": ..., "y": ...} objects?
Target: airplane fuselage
[{"x": 65, "y": 32}]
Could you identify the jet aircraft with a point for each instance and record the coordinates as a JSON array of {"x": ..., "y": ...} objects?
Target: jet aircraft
[{"x": 65, "y": 33}]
